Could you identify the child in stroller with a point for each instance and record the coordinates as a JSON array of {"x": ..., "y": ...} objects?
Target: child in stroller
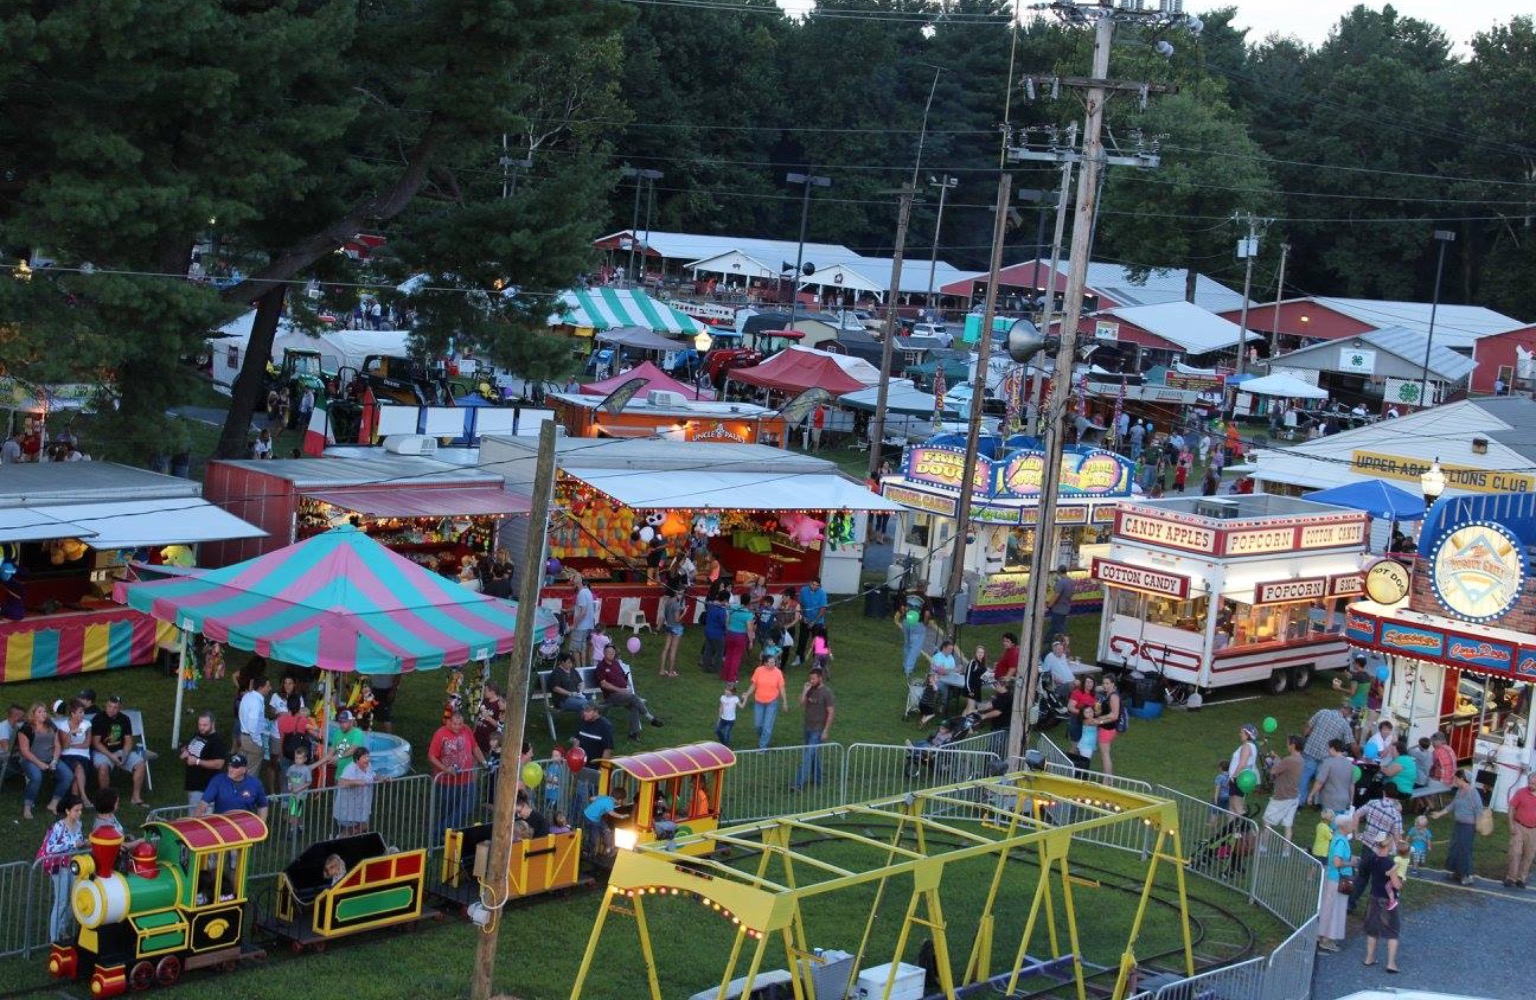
[
  {"x": 922, "y": 754},
  {"x": 1225, "y": 853}
]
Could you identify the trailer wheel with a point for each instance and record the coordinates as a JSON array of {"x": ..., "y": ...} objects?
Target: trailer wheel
[
  {"x": 1301, "y": 677},
  {"x": 1278, "y": 681}
]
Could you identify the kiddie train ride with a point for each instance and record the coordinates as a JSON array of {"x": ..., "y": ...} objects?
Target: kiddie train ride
[
  {"x": 181, "y": 900},
  {"x": 181, "y": 905}
]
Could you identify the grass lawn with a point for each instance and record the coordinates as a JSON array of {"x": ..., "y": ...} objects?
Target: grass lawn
[{"x": 541, "y": 943}]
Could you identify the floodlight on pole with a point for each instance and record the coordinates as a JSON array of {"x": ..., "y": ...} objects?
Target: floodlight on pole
[{"x": 810, "y": 181}]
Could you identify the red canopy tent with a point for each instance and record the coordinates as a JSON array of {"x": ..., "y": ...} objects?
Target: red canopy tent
[
  {"x": 795, "y": 370},
  {"x": 655, "y": 379}
]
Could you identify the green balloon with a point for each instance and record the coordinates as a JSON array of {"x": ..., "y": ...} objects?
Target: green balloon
[
  {"x": 1247, "y": 781},
  {"x": 1270, "y": 725},
  {"x": 1358, "y": 773},
  {"x": 912, "y": 617}
]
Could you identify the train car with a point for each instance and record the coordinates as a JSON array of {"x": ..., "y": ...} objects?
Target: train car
[
  {"x": 181, "y": 904},
  {"x": 538, "y": 865},
  {"x": 366, "y": 887},
  {"x": 671, "y": 794}
]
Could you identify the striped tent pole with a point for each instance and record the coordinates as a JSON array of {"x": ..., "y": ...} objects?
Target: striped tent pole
[{"x": 181, "y": 683}]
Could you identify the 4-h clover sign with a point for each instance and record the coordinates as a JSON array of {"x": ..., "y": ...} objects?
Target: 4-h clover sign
[{"x": 1408, "y": 392}]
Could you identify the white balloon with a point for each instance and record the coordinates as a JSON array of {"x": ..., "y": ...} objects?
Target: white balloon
[{"x": 647, "y": 533}]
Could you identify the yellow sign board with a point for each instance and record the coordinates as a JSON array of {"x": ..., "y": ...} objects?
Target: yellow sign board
[{"x": 1459, "y": 477}]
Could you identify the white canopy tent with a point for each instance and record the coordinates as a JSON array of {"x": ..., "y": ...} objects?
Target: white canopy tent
[{"x": 1284, "y": 386}]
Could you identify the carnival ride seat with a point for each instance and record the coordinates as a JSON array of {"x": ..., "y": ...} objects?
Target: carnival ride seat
[{"x": 305, "y": 875}]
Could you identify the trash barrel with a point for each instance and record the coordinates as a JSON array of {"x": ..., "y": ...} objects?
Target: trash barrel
[{"x": 877, "y": 602}]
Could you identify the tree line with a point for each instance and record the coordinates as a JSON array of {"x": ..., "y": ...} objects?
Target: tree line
[{"x": 486, "y": 140}]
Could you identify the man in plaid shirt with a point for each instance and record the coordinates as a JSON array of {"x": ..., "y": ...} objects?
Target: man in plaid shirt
[{"x": 1382, "y": 814}]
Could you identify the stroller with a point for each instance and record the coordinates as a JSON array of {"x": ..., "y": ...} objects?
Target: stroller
[
  {"x": 1224, "y": 854},
  {"x": 924, "y": 756},
  {"x": 1049, "y": 708}
]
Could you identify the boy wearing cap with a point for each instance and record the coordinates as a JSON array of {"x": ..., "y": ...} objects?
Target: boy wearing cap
[{"x": 112, "y": 746}]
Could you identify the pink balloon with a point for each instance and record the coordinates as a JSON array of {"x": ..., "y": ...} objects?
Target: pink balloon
[{"x": 633, "y": 645}]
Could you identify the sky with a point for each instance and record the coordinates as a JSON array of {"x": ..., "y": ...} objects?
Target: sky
[{"x": 1310, "y": 20}]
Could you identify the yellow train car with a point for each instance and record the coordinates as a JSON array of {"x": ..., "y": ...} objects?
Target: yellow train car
[
  {"x": 537, "y": 865},
  {"x": 669, "y": 794}
]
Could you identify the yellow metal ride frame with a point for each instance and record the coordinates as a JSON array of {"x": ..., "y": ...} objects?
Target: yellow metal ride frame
[{"x": 990, "y": 817}]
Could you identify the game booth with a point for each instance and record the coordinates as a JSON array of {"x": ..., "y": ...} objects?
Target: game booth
[
  {"x": 68, "y": 532},
  {"x": 1004, "y": 508},
  {"x": 741, "y": 512},
  {"x": 666, "y": 414},
  {"x": 432, "y": 512},
  {"x": 1455, "y": 625},
  {"x": 1215, "y": 591}
]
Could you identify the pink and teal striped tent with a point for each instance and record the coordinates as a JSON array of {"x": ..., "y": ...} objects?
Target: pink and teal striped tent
[{"x": 338, "y": 601}]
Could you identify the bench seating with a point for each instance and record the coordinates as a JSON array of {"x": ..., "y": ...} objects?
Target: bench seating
[
  {"x": 1430, "y": 796},
  {"x": 589, "y": 689}
]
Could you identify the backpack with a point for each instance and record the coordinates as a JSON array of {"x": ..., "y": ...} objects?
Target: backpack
[{"x": 293, "y": 741}]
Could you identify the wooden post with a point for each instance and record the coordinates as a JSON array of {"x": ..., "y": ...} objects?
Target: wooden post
[{"x": 494, "y": 886}]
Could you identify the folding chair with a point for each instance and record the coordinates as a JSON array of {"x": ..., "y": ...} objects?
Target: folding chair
[
  {"x": 915, "y": 686},
  {"x": 632, "y": 617}
]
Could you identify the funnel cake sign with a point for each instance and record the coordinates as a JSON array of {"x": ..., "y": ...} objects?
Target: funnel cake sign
[{"x": 1477, "y": 570}]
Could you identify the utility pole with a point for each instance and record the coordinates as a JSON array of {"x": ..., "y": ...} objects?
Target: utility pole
[
  {"x": 888, "y": 345},
  {"x": 1274, "y": 326},
  {"x": 810, "y": 181},
  {"x": 493, "y": 888},
  {"x": 1444, "y": 237},
  {"x": 1248, "y": 249},
  {"x": 978, "y": 391},
  {"x": 509, "y": 169},
  {"x": 943, "y": 184},
  {"x": 1066, "y": 154},
  {"x": 640, "y": 176},
  {"x": 1102, "y": 16}
]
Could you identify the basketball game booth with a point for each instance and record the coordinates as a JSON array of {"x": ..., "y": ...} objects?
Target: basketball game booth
[{"x": 902, "y": 845}]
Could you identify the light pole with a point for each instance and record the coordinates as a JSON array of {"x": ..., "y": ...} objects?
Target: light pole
[
  {"x": 641, "y": 176},
  {"x": 1444, "y": 237},
  {"x": 810, "y": 181},
  {"x": 702, "y": 342},
  {"x": 1102, "y": 17},
  {"x": 1432, "y": 483},
  {"x": 943, "y": 184}
]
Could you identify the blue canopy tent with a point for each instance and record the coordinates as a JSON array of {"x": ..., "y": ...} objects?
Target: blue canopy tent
[{"x": 1376, "y": 498}]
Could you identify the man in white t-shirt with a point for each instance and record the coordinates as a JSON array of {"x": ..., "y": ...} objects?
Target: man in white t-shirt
[{"x": 583, "y": 617}]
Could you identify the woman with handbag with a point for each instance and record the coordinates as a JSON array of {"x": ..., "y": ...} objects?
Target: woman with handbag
[
  {"x": 1465, "y": 809},
  {"x": 65, "y": 839},
  {"x": 1338, "y": 883}
]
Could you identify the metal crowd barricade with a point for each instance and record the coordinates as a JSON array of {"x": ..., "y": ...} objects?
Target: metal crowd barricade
[
  {"x": 1287, "y": 880},
  {"x": 761, "y": 785},
  {"x": 36, "y": 907},
  {"x": 1291, "y": 965},
  {"x": 1243, "y": 981},
  {"x": 1223, "y": 848},
  {"x": 876, "y": 770},
  {"x": 15, "y": 894}
]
